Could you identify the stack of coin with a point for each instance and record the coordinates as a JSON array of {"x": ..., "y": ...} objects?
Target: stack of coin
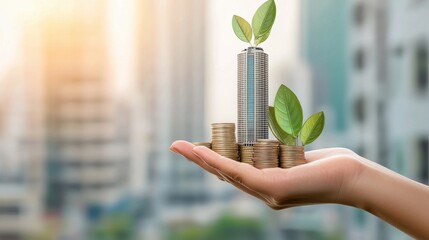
[
  {"x": 205, "y": 144},
  {"x": 291, "y": 156},
  {"x": 266, "y": 153},
  {"x": 246, "y": 154},
  {"x": 223, "y": 140}
]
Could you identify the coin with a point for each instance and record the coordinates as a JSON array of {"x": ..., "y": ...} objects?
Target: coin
[
  {"x": 267, "y": 141},
  {"x": 291, "y": 156},
  {"x": 205, "y": 144},
  {"x": 224, "y": 141},
  {"x": 246, "y": 154},
  {"x": 265, "y": 153},
  {"x": 223, "y": 125}
]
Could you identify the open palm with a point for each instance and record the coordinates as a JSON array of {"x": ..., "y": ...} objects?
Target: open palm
[{"x": 326, "y": 178}]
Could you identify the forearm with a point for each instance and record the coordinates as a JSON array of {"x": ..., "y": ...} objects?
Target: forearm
[{"x": 398, "y": 200}]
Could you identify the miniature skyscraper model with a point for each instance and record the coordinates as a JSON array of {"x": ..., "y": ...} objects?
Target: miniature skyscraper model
[{"x": 252, "y": 96}]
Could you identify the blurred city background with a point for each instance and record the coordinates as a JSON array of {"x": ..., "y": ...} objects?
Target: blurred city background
[{"x": 93, "y": 92}]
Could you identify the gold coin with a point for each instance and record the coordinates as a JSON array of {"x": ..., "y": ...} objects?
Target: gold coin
[
  {"x": 265, "y": 153},
  {"x": 205, "y": 144},
  {"x": 224, "y": 141},
  {"x": 291, "y": 156}
]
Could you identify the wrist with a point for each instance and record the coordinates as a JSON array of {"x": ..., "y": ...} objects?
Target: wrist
[
  {"x": 371, "y": 184},
  {"x": 352, "y": 191}
]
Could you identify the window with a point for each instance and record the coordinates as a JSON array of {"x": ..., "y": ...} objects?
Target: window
[
  {"x": 422, "y": 159},
  {"x": 359, "y": 109},
  {"x": 399, "y": 162},
  {"x": 359, "y": 59},
  {"x": 383, "y": 151},
  {"x": 396, "y": 70},
  {"x": 10, "y": 210},
  {"x": 421, "y": 68},
  {"x": 11, "y": 236},
  {"x": 359, "y": 14},
  {"x": 398, "y": 51}
]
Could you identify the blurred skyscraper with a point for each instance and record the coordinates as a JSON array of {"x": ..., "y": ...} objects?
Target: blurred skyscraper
[
  {"x": 173, "y": 91},
  {"x": 387, "y": 79},
  {"x": 88, "y": 161},
  {"x": 22, "y": 131},
  {"x": 65, "y": 140},
  {"x": 345, "y": 45},
  {"x": 366, "y": 98},
  {"x": 406, "y": 91},
  {"x": 407, "y": 88}
]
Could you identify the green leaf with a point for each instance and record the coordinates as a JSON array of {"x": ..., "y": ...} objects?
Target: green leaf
[
  {"x": 312, "y": 128},
  {"x": 262, "y": 38},
  {"x": 281, "y": 135},
  {"x": 264, "y": 18},
  {"x": 242, "y": 29},
  {"x": 288, "y": 111}
]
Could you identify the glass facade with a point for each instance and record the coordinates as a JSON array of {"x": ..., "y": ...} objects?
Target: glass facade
[{"x": 252, "y": 96}]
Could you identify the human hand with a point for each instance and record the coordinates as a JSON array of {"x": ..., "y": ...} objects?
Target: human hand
[
  {"x": 333, "y": 175},
  {"x": 328, "y": 177}
]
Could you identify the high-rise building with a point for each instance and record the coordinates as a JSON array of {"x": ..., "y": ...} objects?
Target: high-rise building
[
  {"x": 173, "y": 86},
  {"x": 87, "y": 134},
  {"x": 407, "y": 89},
  {"x": 384, "y": 64},
  {"x": 367, "y": 42},
  {"x": 252, "y": 94},
  {"x": 406, "y": 92},
  {"x": 22, "y": 129},
  {"x": 22, "y": 154}
]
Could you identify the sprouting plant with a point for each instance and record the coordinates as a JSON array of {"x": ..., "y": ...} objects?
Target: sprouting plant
[
  {"x": 262, "y": 22},
  {"x": 285, "y": 120}
]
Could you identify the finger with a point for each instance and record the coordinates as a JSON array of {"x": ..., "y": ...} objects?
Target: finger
[
  {"x": 263, "y": 197},
  {"x": 244, "y": 188},
  {"x": 242, "y": 173},
  {"x": 185, "y": 149},
  {"x": 318, "y": 154}
]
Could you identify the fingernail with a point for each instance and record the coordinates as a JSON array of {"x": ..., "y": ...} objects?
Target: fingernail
[{"x": 174, "y": 150}]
